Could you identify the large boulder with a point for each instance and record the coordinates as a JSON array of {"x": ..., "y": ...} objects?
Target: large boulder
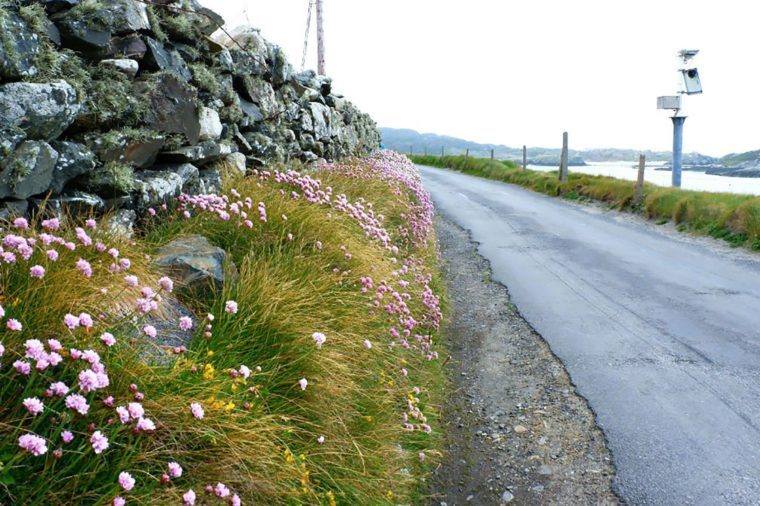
[
  {"x": 321, "y": 116},
  {"x": 28, "y": 171},
  {"x": 43, "y": 110},
  {"x": 160, "y": 58},
  {"x": 73, "y": 160},
  {"x": 262, "y": 94},
  {"x": 194, "y": 262},
  {"x": 19, "y": 46},
  {"x": 128, "y": 16},
  {"x": 211, "y": 125},
  {"x": 200, "y": 154},
  {"x": 119, "y": 147},
  {"x": 156, "y": 187}
]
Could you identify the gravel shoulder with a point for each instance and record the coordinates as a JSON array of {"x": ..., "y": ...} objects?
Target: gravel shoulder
[{"x": 517, "y": 432}]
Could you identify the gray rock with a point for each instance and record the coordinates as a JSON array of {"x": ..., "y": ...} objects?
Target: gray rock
[
  {"x": 126, "y": 66},
  {"x": 129, "y": 46},
  {"x": 200, "y": 154},
  {"x": 121, "y": 223},
  {"x": 262, "y": 94},
  {"x": 211, "y": 125},
  {"x": 141, "y": 153},
  {"x": 159, "y": 57},
  {"x": 173, "y": 108},
  {"x": 193, "y": 262},
  {"x": 10, "y": 137},
  {"x": 90, "y": 36},
  {"x": 74, "y": 203},
  {"x": 507, "y": 497},
  {"x": 251, "y": 110},
  {"x": 156, "y": 187},
  {"x": 236, "y": 161},
  {"x": 19, "y": 46},
  {"x": 321, "y": 116},
  {"x": 13, "y": 208},
  {"x": 73, "y": 160},
  {"x": 28, "y": 171},
  {"x": 127, "y": 16},
  {"x": 42, "y": 110}
]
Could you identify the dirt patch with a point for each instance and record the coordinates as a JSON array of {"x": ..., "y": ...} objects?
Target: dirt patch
[{"x": 517, "y": 432}]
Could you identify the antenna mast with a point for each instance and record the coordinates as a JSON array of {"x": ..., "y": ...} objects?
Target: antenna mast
[{"x": 320, "y": 39}]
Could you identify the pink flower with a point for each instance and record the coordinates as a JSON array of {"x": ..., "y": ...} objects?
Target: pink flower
[
  {"x": 231, "y": 307},
  {"x": 33, "y": 444},
  {"x": 145, "y": 425},
  {"x": 34, "y": 349},
  {"x": 123, "y": 414},
  {"x": 367, "y": 344},
  {"x": 197, "y": 410},
  {"x": 52, "y": 224},
  {"x": 108, "y": 339},
  {"x": 21, "y": 223},
  {"x": 34, "y": 406},
  {"x": 245, "y": 372},
  {"x": 108, "y": 401},
  {"x": 88, "y": 380},
  {"x": 175, "y": 470},
  {"x": 91, "y": 224},
  {"x": 303, "y": 383},
  {"x": 125, "y": 264},
  {"x": 71, "y": 321},
  {"x": 235, "y": 501},
  {"x": 221, "y": 490},
  {"x": 85, "y": 320},
  {"x": 150, "y": 331},
  {"x": 131, "y": 280},
  {"x": 100, "y": 444},
  {"x": 37, "y": 271},
  {"x": 91, "y": 357},
  {"x": 321, "y": 439},
  {"x": 84, "y": 267},
  {"x": 151, "y": 211},
  {"x": 136, "y": 410},
  {"x": 119, "y": 501},
  {"x": 2, "y": 349},
  {"x": 14, "y": 325},
  {"x": 2, "y": 312},
  {"x": 77, "y": 403},
  {"x": 186, "y": 323},
  {"x": 55, "y": 345},
  {"x": 126, "y": 481},
  {"x": 188, "y": 498},
  {"x": 319, "y": 338},
  {"x": 67, "y": 436},
  {"x": 59, "y": 388},
  {"x": 166, "y": 284},
  {"x": 22, "y": 367}
]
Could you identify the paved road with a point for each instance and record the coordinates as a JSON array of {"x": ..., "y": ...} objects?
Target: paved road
[{"x": 660, "y": 334}]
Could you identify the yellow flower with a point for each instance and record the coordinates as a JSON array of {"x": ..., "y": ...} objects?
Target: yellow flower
[
  {"x": 210, "y": 353},
  {"x": 331, "y": 498},
  {"x": 229, "y": 407},
  {"x": 234, "y": 388},
  {"x": 208, "y": 372}
]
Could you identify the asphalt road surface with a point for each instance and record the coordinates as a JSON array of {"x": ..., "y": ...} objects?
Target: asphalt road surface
[{"x": 661, "y": 334}]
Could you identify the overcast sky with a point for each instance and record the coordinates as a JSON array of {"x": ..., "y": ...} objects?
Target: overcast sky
[{"x": 520, "y": 72}]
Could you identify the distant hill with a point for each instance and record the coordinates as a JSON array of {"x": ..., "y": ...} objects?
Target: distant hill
[{"x": 404, "y": 140}]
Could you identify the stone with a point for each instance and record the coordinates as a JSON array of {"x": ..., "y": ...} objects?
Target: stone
[
  {"x": 43, "y": 110},
  {"x": 507, "y": 497},
  {"x": 73, "y": 160},
  {"x": 19, "y": 46},
  {"x": 545, "y": 470},
  {"x": 193, "y": 262},
  {"x": 28, "y": 171},
  {"x": 211, "y": 125},
  {"x": 159, "y": 58},
  {"x": 251, "y": 110},
  {"x": 127, "y": 16},
  {"x": 10, "y": 137},
  {"x": 281, "y": 69},
  {"x": 236, "y": 162},
  {"x": 110, "y": 180},
  {"x": 58, "y": 5},
  {"x": 141, "y": 153},
  {"x": 321, "y": 116},
  {"x": 13, "y": 208},
  {"x": 262, "y": 94},
  {"x": 200, "y": 154},
  {"x": 74, "y": 203},
  {"x": 90, "y": 36},
  {"x": 173, "y": 107},
  {"x": 209, "y": 181},
  {"x": 126, "y": 66},
  {"x": 159, "y": 186},
  {"x": 130, "y": 46},
  {"x": 519, "y": 429},
  {"x": 121, "y": 223}
]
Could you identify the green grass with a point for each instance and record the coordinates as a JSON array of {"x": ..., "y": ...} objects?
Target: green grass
[{"x": 734, "y": 218}]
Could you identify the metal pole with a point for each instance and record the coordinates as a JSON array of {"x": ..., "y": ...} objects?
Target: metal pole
[
  {"x": 467, "y": 154},
  {"x": 525, "y": 157},
  {"x": 320, "y": 39},
  {"x": 442, "y": 151},
  {"x": 563, "y": 159},
  {"x": 678, "y": 122},
  {"x": 492, "y": 155}
]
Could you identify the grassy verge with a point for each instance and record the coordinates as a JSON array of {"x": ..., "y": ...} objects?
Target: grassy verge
[
  {"x": 735, "y": 218},
  {"x": 347, "y": 252}
]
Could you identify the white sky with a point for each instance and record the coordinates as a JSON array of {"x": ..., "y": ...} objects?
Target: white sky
[{"x": 521, "y": 71}]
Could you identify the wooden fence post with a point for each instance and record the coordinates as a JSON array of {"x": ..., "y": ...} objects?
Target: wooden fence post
[
  {"x": 639, "y": 195},
  {"x": 525, "y": 157},
  {"x": 442, "y": 151},
  {"x": 492, "y": 155},
  {"x": 467, "y": 154},
  {"x": 563, "y": 160}
]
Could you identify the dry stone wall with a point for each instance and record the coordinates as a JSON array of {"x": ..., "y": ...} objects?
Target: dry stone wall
[{"x": 123, "y": 104}]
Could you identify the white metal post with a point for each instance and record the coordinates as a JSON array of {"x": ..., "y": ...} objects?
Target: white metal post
[{"x": 320, "y": 39}]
